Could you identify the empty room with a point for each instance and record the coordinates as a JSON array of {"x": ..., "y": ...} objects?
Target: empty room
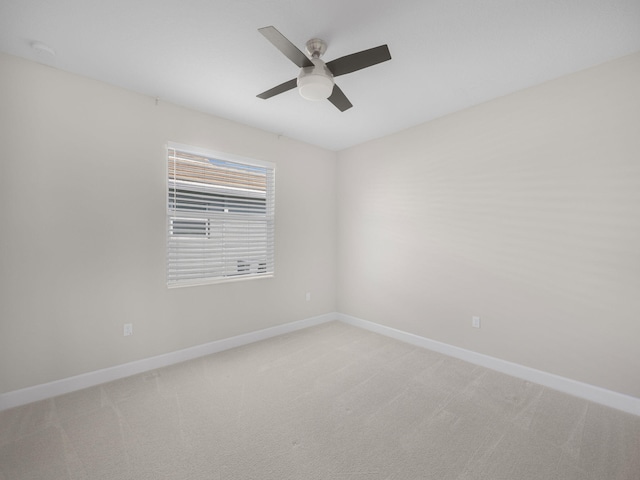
[{"x": 297, "y": 240}]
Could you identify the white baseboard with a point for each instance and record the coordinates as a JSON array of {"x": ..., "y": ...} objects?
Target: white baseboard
[
  {"x": 592, "y": 393},
  {"x": 612, "y": 399},
  {"x": 78, "y": 382}
]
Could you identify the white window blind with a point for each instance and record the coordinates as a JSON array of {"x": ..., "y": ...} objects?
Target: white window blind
[{"x": 220, "y": 217}]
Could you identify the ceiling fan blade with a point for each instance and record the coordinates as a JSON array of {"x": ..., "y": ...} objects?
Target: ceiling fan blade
[
  {"x": 285, "y": 46},
  {"x": 339, "y": 99},
  {"x": 358, "y": 61},
  {"x": 283, "y": 87}
]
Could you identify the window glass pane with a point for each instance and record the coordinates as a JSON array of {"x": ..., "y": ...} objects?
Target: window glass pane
[{"x": 220, "y": 217}]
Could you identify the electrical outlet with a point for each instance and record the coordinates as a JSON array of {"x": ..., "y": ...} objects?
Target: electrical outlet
[
  {"x": 475, "y": 322},
  {"x": 308, "y": 296},
  {"x": 128, "y": 329}
]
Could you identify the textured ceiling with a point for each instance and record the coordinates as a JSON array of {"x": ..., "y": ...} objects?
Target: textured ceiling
[{"x": 208, "y": 55}]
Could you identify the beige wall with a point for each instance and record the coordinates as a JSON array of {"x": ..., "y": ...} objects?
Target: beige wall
[
  {"x": 524, "y": 210},
  {"x": 82, "y": 185}
]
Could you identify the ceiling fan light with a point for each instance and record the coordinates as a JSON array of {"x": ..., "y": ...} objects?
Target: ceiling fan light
[{"x": 315, "y": 87}]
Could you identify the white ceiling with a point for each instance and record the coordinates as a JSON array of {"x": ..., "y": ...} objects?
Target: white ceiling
[{"x": 208, "y": 55}]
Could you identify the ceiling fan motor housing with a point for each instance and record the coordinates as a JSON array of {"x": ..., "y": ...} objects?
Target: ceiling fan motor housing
[{"x": 315, "y": 83}]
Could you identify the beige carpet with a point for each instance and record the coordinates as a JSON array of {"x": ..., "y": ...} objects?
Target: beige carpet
[{"x": 329, "y": 402}]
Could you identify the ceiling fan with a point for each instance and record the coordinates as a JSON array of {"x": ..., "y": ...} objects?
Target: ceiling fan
[{"x": 315, "y": 80}]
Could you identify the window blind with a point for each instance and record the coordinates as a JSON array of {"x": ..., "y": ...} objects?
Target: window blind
[{"x": 220, "y": 218}]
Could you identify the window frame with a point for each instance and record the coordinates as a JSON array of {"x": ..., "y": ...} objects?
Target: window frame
[{"x": 245, "y": 271}]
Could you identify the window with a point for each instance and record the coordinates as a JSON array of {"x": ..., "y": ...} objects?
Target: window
[{"x": 220, "y": 217}]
